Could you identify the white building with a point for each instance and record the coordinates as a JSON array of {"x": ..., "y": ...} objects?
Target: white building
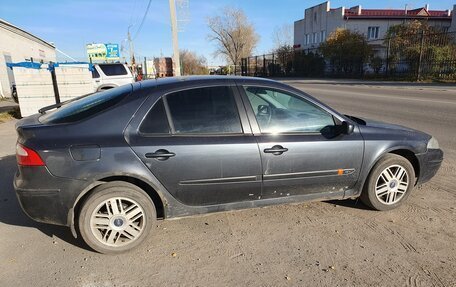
[
  {"x": 453, "y": 21},
  {"x": 17, "y": 45},
  {"x": 321, "y": 20}
]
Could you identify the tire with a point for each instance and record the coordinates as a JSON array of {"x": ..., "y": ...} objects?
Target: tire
[
  {"x": 116, "y": 217},
  {"x": 385, "y": 187}
]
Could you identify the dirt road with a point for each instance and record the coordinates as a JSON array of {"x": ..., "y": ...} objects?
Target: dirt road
[{"x": 339, "y": 243}]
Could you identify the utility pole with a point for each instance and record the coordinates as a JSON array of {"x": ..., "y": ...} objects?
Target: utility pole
[
  {"x": 176, "y": 60},
  {"x": 130, "y": 42}
]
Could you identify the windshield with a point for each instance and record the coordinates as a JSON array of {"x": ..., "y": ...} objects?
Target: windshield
[{"x": 86, "y": 106}]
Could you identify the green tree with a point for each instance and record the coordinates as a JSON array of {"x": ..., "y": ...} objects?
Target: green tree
[{"x": 347, "y": 51}]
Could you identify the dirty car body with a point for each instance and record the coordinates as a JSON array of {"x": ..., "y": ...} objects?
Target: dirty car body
[{"x": 197, "y": 145}]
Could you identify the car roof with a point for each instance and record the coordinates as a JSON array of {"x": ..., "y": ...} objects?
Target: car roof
[{"x": 194, "y": 79}]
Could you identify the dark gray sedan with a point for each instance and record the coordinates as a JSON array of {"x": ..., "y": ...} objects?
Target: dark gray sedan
[{"x": 110, "y": 164}]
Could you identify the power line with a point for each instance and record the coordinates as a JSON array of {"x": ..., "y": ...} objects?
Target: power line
[
  {"x": 133, "y": 10},
  {"x": 143, "y": 19}
]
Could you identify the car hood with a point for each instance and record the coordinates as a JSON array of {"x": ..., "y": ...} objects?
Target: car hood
[{"x": 387, "y": 126}]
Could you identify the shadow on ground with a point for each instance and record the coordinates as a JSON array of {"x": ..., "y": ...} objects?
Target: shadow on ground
[
  {"x": 351, "y": 203},
  {"x": 12, "y": 214}
]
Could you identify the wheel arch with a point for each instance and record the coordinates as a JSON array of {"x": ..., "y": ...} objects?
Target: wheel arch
[
  {"x": 406, "y": 152},
  {"x": 157, "y": 198},
  {"x": 411, "y": 157},
  {"x": 106, "y": 87}
]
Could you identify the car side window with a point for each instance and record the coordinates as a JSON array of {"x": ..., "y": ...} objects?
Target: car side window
[
  {"x": 95, "y": 74},
  {"x": 210, "y": 110},
  {"x": 155, "y": 121},
  {"x": 280, "y": 112}
]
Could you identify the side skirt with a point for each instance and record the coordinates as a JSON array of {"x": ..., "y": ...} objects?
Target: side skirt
[{"x": 175, "y": 212}]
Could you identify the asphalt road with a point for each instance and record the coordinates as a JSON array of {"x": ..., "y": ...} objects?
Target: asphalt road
[{"x": 338, "y": 243}]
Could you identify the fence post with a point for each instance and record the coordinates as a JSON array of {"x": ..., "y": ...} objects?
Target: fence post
[
  {"x": 264, "y": 66},
  {"x": 54, "y": 83},
  {"x": 387, "y": 56},
  {"x": 418, "y": 76},
  {"x": 273, "y": 64},
  {"x": 145, "y": 69}
]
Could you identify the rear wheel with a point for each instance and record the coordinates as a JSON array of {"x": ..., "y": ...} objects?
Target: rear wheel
[
  {"x": 116, "y": 217},
  {"x": 389, "y": 183}
]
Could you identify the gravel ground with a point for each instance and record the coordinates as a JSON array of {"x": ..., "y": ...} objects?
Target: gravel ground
[{"x": 337, "y": 243}]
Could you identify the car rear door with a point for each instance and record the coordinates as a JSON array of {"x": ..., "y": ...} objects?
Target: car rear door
[
  {"x": 302, "y": 151},
  {"x": 197, "y": 142}
]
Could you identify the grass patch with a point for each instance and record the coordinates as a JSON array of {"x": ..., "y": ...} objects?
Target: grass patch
[{"x": 9, "y": 115}]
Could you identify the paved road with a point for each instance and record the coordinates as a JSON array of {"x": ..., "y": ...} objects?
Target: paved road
[{"x": 311, "y": 244}]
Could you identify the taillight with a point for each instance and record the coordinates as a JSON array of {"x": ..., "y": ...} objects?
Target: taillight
[{"x": 27, "y": 157}]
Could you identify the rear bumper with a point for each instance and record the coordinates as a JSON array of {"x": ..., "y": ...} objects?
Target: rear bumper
[
  {"x": 44, "y": 197},
  {"x": 430, "y": 163}
]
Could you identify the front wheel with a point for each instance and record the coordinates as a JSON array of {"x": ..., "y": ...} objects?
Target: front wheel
[
  {"x": 389, "y": 183},
  {"x": 116, "y": 217}
]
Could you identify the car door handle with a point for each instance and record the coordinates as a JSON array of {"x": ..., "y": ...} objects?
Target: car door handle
[
  {"x": 276, "y": 150},
  {"x": 161, "y": 154}
]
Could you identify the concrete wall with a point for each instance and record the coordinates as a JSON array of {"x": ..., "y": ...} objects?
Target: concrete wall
[
  {"x": 317, "y": 20},
  {"x": 18, "y": 47},
  {"x": 299, "y": 33}
]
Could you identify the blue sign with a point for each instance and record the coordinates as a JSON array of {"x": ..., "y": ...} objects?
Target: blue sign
[{"x": 112, "y": 51}]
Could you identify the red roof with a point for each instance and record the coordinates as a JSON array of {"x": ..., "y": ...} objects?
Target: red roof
[{"x": 395, "y": 13}]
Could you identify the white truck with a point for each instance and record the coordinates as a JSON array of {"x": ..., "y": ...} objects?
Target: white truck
[{"x": 108, "y": 76}]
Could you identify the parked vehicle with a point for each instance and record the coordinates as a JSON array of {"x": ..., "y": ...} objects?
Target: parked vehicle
[
  {"x": 108, "y": 76},
  {"x": 109, "y": 165}
]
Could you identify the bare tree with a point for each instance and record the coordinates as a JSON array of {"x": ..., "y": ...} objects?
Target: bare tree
[
  {"x": 234, "y": 35},
  {"x": 282, "y": 36},
  {"x": 192, "y": 64}
]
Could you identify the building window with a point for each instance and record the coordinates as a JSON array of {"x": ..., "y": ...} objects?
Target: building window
[
  {"x": 323, "y": 36},
  {"x": 372, "y": 33},
  {"x": 314, "y": 38}
]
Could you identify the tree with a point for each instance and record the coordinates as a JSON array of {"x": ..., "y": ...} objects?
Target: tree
[
  {"x": 192, "y": 64},
  {"x": 347, "y": 51},
  {"x": 282, "y": 36},
  {"x": 233, "y": 34}
]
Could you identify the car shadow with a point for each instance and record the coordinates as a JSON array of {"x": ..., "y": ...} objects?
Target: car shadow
[
  {"x": 351, "y": 203},
  {"x": 12, "y": 214}
]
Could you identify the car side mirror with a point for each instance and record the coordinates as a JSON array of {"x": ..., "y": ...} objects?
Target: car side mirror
[
  {"x": 264, "y": 110},
  {"x": 347, "y": 128}
]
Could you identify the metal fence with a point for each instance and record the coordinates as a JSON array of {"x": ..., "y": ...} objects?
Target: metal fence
[{"x": 413, "y": 57}]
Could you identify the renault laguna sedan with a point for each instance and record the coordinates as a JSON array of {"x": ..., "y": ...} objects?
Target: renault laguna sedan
[{"x": 108, "y": 165}]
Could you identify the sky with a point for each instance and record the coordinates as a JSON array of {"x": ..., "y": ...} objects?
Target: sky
[{"x": 70, "y": 25}]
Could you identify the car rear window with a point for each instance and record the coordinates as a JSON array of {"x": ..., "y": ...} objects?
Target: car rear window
[
  {"x": 113, "y": 69},
  {"x": 87, "y": 106},
  {"x": 156, "y": 121}
]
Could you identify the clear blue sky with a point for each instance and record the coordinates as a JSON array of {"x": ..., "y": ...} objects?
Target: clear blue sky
[{"x": 72, "y": 24}]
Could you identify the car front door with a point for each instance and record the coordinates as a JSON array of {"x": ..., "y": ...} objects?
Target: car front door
[
  {"x": 197, "y": 142},
  {"x": 302, "y": 148}
]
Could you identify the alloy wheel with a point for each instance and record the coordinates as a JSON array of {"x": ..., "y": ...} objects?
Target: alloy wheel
[
  {"x": 117, "y": 221},
  {"x": 392, "y": 184}
]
